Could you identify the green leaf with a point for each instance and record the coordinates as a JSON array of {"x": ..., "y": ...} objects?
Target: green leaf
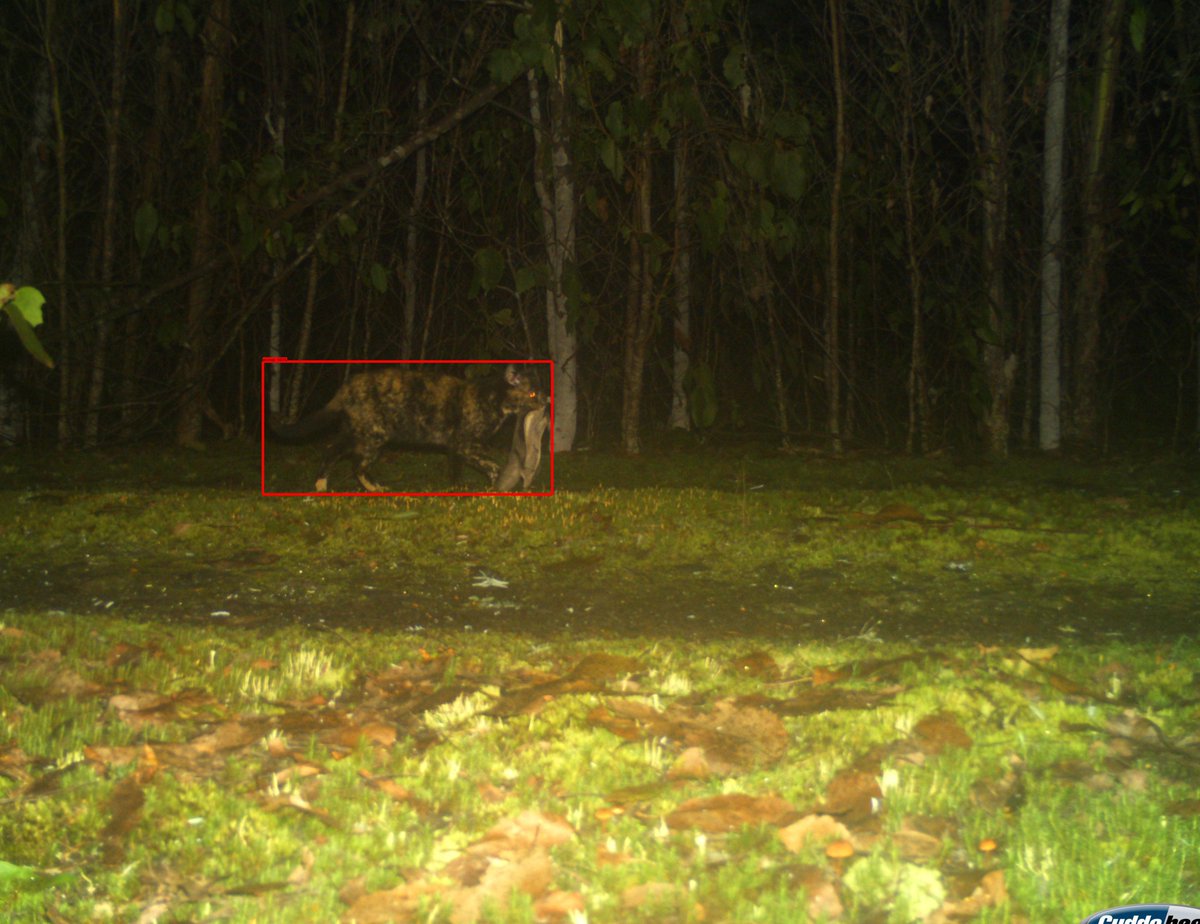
[
  {"x": 489, "y": 268},
  {"x": 268, "y": 170},
  {"x": 596, "y": 59},
  {"x": 379, "y": 278},
  {"x": 748, "y": 157},
  {"x": 145, "y": 226},
  {"x": 29, "y": 301},
  {"x": 986, "y": 335},
  {"x": 505, "y": 65},
  {"x": 1137, "y": 27},
  {"x": 25, "y": 332},
  {"x": 347, "y": 225},
  {"x": 526, "y": 279},
  {"x": 611, "y": 157},
  {"x": 184, "y": 12},
  {"x": 164, "y": 17},
  {"x": 734, "y": 67},
  {"x": 712, "y": 219},
  {"x": 614, "y": 120},
  {"x": 788, "y": 174}
]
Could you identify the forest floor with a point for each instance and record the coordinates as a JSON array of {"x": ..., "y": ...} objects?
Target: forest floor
[{"x": 696, "y": 685}]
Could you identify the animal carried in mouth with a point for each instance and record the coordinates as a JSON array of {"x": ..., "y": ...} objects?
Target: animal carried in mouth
[
  {"x": 408, "y": 406},
  {"x": 526, "y": 453}
]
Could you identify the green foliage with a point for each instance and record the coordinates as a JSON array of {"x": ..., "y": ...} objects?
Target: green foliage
[
  {"x": 712, "y": 217},
  {"x": 489, "y": 269},
  {"x": 505, "y": 65},
  {"x": 533, "y": 46},
  {"x": 527, "y": 277},
  {"x": 379, "y": 278},
  {"x": 735, "y": 66},
  {"x": 23, "y": 308},
  {"x": 172, "y": 13},
  {"x": 612, "y": 158},
  {"x": 782, "y": 171},
  {"x": 1137, "y": 27},
  {"x": 912, "y": 892}
]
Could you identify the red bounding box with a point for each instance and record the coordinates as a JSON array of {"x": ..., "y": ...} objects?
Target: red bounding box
[{"x": 398, "y": 399}]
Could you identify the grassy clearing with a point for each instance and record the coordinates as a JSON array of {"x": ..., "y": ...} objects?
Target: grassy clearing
[
  {"x": 730, "y": 686},
  {"x": 802, "y": 544},
  {"x": 277, "y": 776}
]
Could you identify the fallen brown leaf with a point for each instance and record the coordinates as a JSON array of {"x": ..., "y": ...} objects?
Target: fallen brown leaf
[
  {"x": 718, "y": 814},
  {"x": 853, "y": 796},
  {"x": 665, "y": 895},
  {"x": 990, "y": 892},
  {"x": 392, "y": 906},
  {"x": 824, "y": 675},
  {"x": 822, "y": 900},
  {"x": 13, "y": 762},
  {"x": 691, "y": 764},
  {"x": 1184, "y": 808},
  {"x": 758, "y": 664},
  {"x": 525, "y": 830},
  {"x": 916, "y": 845},
  {"x": 935, "y": 733},
  {"x": 530, "y": 873},
  {"x": 125, "y": 810},
  {"x": 599, "y": 667},
  {"x": 812, "y": 829},
  {"x": 556, "y": 905}
]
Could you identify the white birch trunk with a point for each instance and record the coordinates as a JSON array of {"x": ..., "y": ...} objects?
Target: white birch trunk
[{"x": 556, "y": 195}]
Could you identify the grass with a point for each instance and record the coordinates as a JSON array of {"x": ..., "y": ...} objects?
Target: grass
[{"x": 628, "y": 702}]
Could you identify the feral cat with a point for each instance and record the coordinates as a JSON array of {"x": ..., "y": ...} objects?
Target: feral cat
[{"x": 415, "y": 407}]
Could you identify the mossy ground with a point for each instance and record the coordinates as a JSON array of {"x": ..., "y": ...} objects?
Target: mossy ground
[{"x": 269, "y": 709}]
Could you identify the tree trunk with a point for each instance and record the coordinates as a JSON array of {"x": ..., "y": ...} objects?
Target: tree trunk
[
  {"x": 1093, "y": 282},
  {"x": 999, "y": 362},
  {"x": 314, "y": 267},
  {"x": 112, "y": 152},
  {"x": 556, "y": 195},
  {"x": 412, "y": 244},
  {"x": 679, "y": 418},
  {"x": 66, "y": 367},
  {"x": 916, "y": 434},
  {"x": 833, "y": 380},
  {"x": 192, "y": 369},
  {"x": 30, "y": 244},
  {"x": 637, "y": 305},
  {"x": 1184, "y": 53},
  {"x": 30, "y": 228},
  {"x": 639, "y": 313},
  {"x": 275, "y": 73},
  {"x": 778, "y": 387},
  {"x": 1049, "y": 407},
  {"x": 150, "y": 159}
]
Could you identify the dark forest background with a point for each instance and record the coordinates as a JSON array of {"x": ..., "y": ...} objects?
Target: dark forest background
[{"x": 819, "y": 221}]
